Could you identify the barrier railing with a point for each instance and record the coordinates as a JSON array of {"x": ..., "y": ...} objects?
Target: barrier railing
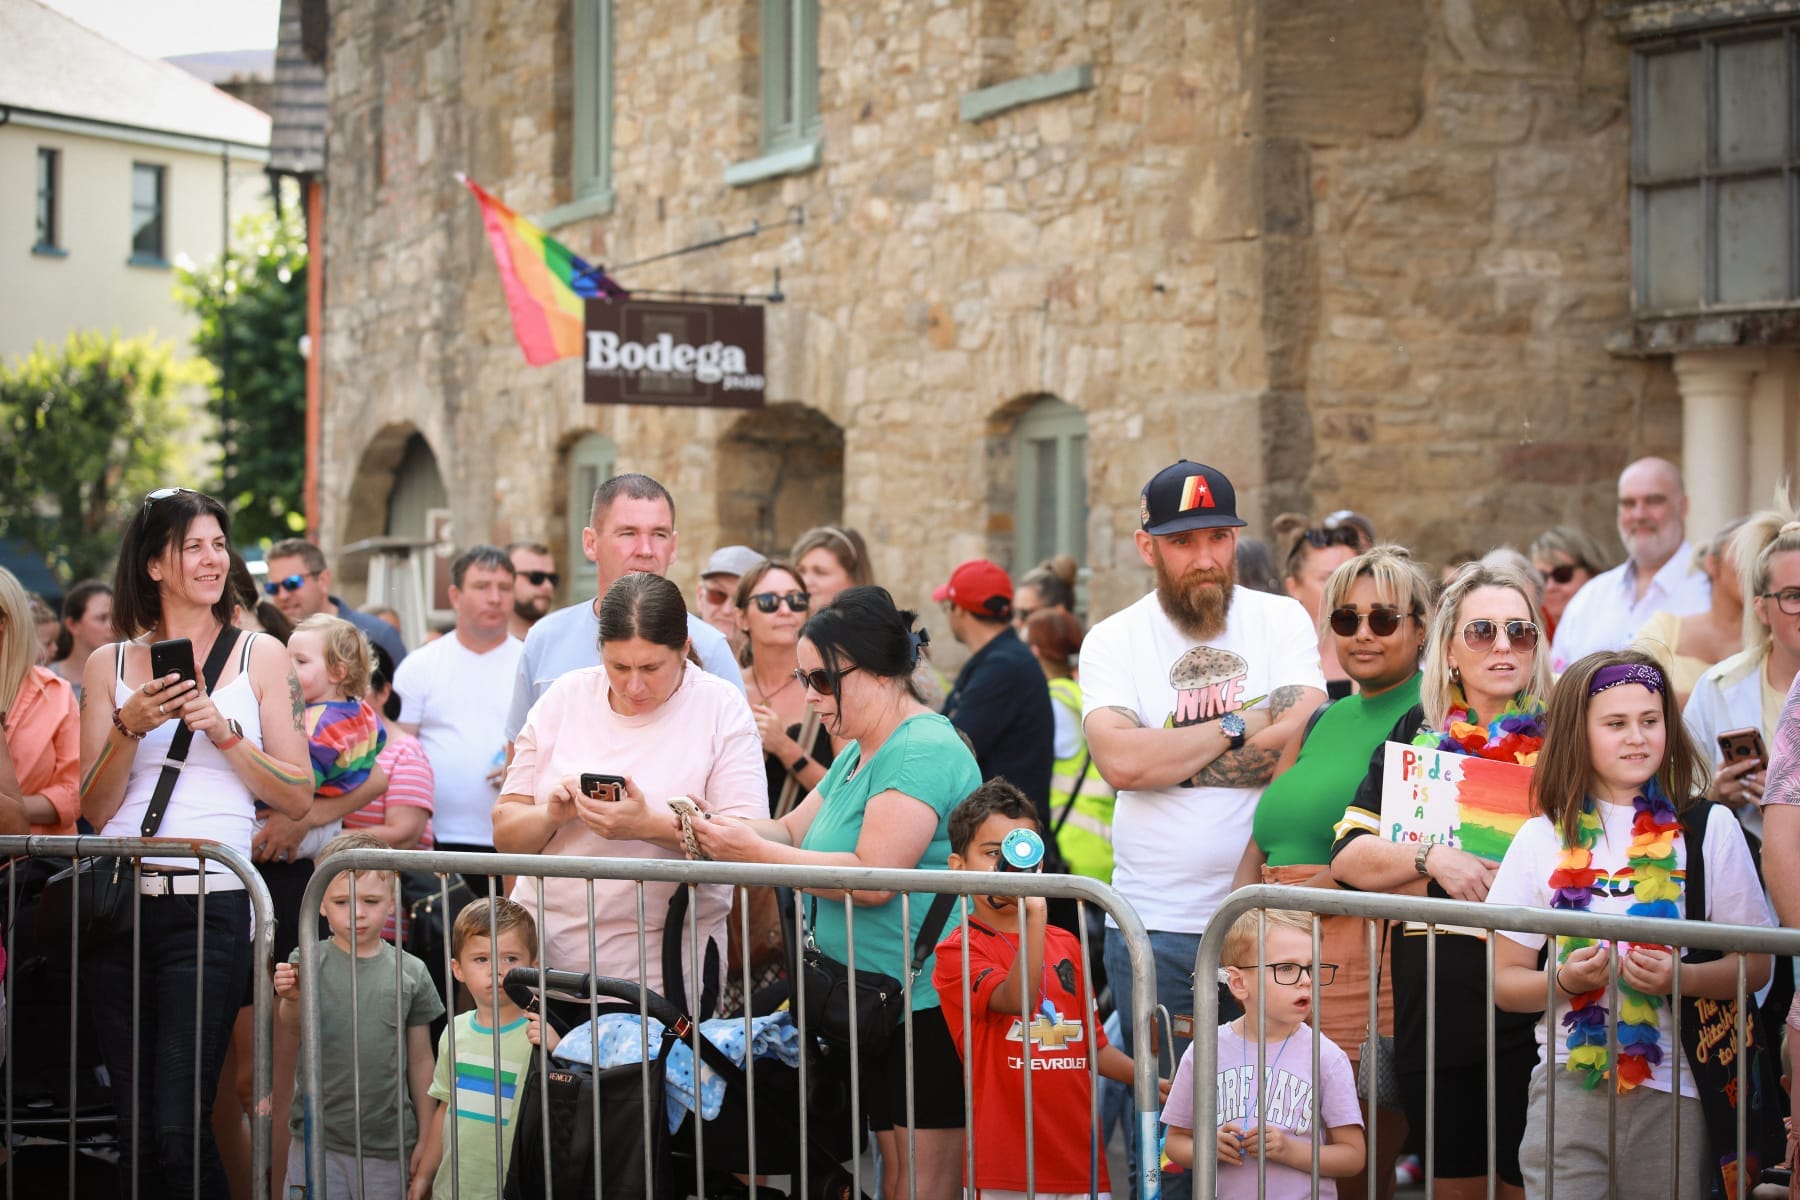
[
  {"x": 1442, "y": 917},
  {"x": 905, "y": 885},
  {"x": 93, "y": 1125}
]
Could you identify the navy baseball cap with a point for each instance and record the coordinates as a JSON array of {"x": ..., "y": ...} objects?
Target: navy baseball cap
[{"x": 1188, "y": 495}]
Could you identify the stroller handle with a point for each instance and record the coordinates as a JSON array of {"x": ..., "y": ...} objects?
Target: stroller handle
[{"x": 521, "y": 984}]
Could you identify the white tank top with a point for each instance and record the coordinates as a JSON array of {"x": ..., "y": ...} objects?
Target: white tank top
[{"x": 209, "y": 800}]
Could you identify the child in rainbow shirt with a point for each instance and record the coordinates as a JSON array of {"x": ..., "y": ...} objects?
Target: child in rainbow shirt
[{"x": 1618, "y": 786}]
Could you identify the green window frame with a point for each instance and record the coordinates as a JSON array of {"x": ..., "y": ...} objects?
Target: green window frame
[
  {"x": 591, "y": 169},
  {"x": 149, "y": 190},
  {"x": 790, "y": 73},
  {"x": 592, "y": 461},
  {"x": 1051, "y": 506}
]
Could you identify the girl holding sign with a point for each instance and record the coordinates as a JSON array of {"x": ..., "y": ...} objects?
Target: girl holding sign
[
  {"x": 1620, "y": 792},
  {"x": 1482, "y": 684}
]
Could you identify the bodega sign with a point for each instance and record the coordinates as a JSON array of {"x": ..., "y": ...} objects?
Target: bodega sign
[{"x": 673, "y": 352}]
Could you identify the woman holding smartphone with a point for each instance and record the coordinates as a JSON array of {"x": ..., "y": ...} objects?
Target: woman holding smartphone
[
  {"x": 247, "y": 746},
  {"x": 650, "y": 718}
]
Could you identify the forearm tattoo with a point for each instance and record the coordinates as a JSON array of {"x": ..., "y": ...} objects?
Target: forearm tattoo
[
  {"x": 1249, "y": 767},
  {"x": 1123, "y": 712},
  {"x": 299, "y": 701},
  {"x": 1282, "y": 699}
]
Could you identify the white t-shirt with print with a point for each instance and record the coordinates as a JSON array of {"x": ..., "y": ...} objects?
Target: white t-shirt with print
[
  {"x": 1175, "y": 849},
  {"x": 1733, "y": 897}
]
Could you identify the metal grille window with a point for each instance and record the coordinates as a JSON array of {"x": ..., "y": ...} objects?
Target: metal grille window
[
  {"x": 147, "y": 212},
  {"x": 49, "y": 176},
  {"x": 1050, "y": 448},
  {"x": 1715, "y": 152},
  {"x": 790, "y": 72}
]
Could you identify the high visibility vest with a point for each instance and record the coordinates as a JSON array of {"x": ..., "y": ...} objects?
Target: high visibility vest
[{"x": 1084, "y": 815}]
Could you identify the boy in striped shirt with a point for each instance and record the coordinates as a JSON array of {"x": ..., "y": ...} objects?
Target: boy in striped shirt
[{"x": 489, "y": 938}]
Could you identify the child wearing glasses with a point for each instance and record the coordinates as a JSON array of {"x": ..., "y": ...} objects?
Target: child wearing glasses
[{"x": 1280, "y": 1120}]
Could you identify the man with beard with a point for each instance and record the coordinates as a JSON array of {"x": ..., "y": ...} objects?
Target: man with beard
[
  {"x": 534, "y": 586},
  {"x": 1188, "y": 698},
  {"x": 1658, "y": 574}
]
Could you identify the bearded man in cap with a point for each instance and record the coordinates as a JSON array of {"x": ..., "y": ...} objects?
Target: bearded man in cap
[{"x": 1188, "y": 698}]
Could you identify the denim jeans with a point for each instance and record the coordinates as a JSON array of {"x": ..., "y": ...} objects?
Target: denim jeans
[
  {"x": 1174, "y": 955},
  {"x": 155, "y": 1080}
]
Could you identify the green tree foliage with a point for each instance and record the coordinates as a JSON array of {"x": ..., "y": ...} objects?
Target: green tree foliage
[
  {"x": 252, "y": 310},
  {"x": 85, "y": 431}
]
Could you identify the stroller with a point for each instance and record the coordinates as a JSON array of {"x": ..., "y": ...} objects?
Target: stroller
[{"x": 639, "y": 1157}]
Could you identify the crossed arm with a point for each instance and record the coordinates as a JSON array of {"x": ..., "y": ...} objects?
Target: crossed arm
[{"x": 1129, "y": 755}]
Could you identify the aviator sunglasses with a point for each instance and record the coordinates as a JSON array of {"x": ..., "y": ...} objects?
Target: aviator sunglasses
[
  {"x": 292, "y": 583},
  {"x": 768, "y": 602},
  {"x": 1383, "y": 621},
  {"x": 1480, "y": 635}
]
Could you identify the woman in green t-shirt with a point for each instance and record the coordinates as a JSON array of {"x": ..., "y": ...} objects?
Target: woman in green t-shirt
[
  {"x": 1377, "y": 607},
  {"x": 885, "y": 802}
]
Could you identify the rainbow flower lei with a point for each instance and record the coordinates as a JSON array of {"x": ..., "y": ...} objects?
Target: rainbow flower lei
[
  {"x": 1516, "y": 735},
  {"x": 1651, "y": 855}
]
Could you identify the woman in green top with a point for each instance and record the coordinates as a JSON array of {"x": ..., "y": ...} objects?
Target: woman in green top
[
  {"x": 885, "y": 802},
  {"x": 1377, "y": 607}
]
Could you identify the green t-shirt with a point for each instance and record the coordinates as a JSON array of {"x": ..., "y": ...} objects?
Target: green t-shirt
[
  {"x": 379, "y": 1045},
  {"x": 925, "y": 758},
  {"x": 1298, "y": 814},
  {"x": 471, "y": 1094}
]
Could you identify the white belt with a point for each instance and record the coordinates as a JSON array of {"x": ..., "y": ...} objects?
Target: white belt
[{"x": 151, "y": 884}]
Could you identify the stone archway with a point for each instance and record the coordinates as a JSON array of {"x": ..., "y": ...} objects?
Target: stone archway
[
  {"x": 781, "y": 472},
  {"x": 397, "y": 491}
]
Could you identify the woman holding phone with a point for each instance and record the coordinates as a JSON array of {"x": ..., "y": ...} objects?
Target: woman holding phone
[
  {"x": 247, "y": 746},
  {"x": 644, "y": 726}
]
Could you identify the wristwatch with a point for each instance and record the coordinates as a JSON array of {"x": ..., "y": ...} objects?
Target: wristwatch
[
  {"x": 237, "y": 735},
  {"x": 799, "y": 764},
  {"x": 1232, "y": 726}
]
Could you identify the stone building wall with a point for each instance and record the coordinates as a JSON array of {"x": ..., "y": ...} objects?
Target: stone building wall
[{"x": 1346, "y": 252}]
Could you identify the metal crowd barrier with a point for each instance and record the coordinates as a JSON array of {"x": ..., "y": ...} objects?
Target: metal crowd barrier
[
  {"x": 737, "y": 875},
  {"x": 86, "y": 1126},
  {"x": 1440, "y": 916}
]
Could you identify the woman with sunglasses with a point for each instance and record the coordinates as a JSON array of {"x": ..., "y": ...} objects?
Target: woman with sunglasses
[
  {"x": 771, "y": 607},
  {"x": 1481, "y": 688},
  {"x": 648, "y": 715},
  {"x": 1378, "y": 605},
  {"x": 1312, "y": 553},
  {"x": 884, "y": 803},
  {"x": 831, "y": 558},
  {"x": 1567, "y": 558},
  {"x": 1687, "y": 646},
  {"x": 248, "y": 746}
]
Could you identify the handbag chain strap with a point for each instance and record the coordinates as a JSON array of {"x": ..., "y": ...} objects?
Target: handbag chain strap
[{"x": 184, "y": 737}]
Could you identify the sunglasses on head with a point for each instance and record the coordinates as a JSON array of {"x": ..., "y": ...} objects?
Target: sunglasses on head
[
  {"x": 1383, "y": 621},
  {"x": 768, "y": 602},
  {"x": 540, "y": 578},
  {"x": 292, "y": 583},
  {"x": 1563, "y": 572},
  {"x": 1481, "y": 635},
  {"x": 817, "y": 679},
  {"x": 165, "y": 493}
]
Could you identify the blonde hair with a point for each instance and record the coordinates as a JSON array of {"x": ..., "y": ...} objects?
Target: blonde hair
[
  {"x": 1239, "y": 947},
  {"x": 1436, "y": 688},
  {"x": 357, "y": 839},
  {"x": 346, "y": 650},
  {"x": 1573, "y": 543},
  {"x": 18, "y": 637},
  {"x": 1399, "y": 579},
  {"x": 509, "y": 916},
  {"x": 1756, "y": 543}
]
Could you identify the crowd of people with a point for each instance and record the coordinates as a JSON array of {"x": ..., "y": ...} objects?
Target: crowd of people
[{"x": 1230, "y": 727}]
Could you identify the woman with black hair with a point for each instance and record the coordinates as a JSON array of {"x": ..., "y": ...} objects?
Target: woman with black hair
[
  {"x": 247, "y": 746},
  {"x": 885, "y": 802},
  {"x": 86, "y": 626}
]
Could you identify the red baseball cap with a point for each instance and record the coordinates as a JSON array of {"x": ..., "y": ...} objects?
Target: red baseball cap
[{"x": 978, "y": 586}]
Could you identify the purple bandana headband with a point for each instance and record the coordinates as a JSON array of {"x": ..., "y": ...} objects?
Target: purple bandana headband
[{"x": 1613, "y": 676}]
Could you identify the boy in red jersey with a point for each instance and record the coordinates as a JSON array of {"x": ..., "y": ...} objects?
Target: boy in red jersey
[{"x": 1045, "y": 984}]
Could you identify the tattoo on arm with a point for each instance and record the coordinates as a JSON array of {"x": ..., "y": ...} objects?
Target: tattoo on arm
[
  {"x": 263, "y": 761},
  {"x": 94, "y": 771},
  {"x": 1123, "y": 712},
  {"x": 298, "y": 699},
  {"x": 1282, "y": 699},
  {"x": 1252, "y": 766}
]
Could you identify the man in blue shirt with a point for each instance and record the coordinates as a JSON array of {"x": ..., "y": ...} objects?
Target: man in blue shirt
[{"x": 300, "y": 584}]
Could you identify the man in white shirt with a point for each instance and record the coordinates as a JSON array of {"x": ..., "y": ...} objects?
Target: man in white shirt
[
  {"x": 632, "y": 529},
  {"x": 447, "y": 691},
  {"x": 1658, "y": 574},
  {"x": 1189, "y": 696}
]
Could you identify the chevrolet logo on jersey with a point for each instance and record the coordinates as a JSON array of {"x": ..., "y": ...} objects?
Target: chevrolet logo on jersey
[{"x": 1049, "y": 1030}]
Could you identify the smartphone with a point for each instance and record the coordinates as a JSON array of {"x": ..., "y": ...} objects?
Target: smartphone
[
  {"x": 1740, "y": 744},
  {"x": 602, "y": 787},
  {"x": 175, "y": 656}
]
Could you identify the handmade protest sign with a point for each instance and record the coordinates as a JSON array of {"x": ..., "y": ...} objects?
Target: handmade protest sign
[{"x": 1474, "y": 804}]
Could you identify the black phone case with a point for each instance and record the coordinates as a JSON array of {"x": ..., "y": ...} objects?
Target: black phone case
[{"x": 175, "y": 655}]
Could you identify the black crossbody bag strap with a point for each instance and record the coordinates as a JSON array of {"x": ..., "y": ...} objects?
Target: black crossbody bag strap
[
  {"x": 927, "y": 940},
  {"x": 184, "y": 737}
]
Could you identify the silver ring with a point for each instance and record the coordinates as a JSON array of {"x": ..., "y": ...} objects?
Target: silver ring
[{"x": 160, "y": 709}]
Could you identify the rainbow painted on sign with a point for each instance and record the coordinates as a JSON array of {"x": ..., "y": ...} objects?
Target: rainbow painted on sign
[
  {"x": 1494, "y": 799},
  {"x": 1474, "y": 804}
]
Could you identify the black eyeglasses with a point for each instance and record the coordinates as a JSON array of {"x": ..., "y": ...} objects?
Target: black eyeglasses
[
  {"x": 540, "y": 578},
  {"x": 165, "y": 493},
  {"x": 1563, "y": 572},
  {"x": 292, "y": 583},
  {"x": 1481, "y": 635},
  {"x": 818, "y": 680},
  {"x": 768, "y": 602},
  {"x": 1383, "y": 621},
  {"x": 1787, "y": 599},
  {"x": 1288, "y": 974}
]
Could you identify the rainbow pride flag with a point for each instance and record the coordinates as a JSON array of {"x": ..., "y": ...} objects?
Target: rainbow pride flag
[{"x": 546, "y": 283}]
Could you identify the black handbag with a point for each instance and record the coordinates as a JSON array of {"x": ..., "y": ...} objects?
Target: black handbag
[
  {"x": 875, "y": 1006},
  {"x": 94, "y": 898}
]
